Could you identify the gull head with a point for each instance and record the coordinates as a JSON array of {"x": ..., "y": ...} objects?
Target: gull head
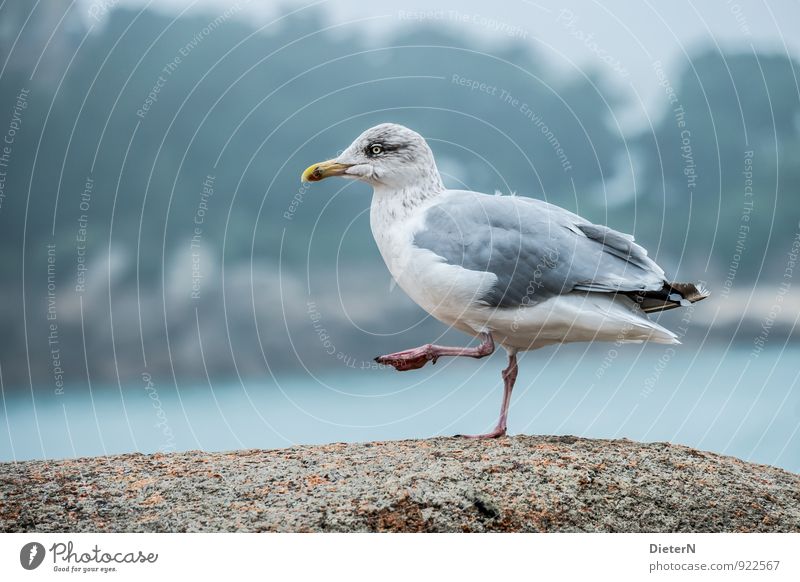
[{"x": 387, "y": 155}]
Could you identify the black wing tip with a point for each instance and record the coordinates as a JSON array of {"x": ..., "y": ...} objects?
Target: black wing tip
[
  {"x": 670, "y": 296},
  {"x": 691, "y": 292}
]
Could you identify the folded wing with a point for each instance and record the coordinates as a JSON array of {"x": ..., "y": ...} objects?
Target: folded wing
[{"x": 535, "y": 250}]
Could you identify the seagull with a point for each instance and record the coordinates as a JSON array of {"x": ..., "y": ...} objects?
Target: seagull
[{"x": 505, "y": 269}]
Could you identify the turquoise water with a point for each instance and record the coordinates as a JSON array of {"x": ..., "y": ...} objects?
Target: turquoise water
[{"x": 726, "y": 401}]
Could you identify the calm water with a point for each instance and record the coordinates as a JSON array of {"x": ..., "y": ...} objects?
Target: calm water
[{"x": 724, "y": 401}]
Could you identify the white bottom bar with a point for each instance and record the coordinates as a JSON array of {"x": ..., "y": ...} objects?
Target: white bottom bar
[{"x": 404, "y": 557}]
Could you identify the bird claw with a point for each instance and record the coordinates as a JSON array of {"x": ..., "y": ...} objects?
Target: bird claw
[
  {"x": 495, "y": 434},
  {"x": 404, "y": 362}
]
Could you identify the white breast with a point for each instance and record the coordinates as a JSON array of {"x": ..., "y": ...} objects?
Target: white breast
[{"x": 447, "y": 292}]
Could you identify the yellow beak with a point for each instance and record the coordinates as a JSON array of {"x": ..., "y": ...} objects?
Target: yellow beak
[{"x": 322, "y": 170}]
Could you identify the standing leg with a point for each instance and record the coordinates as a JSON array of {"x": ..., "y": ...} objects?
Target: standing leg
[
  {"x": 509, "y": 377},
  {"x": 418, "y": 357}
]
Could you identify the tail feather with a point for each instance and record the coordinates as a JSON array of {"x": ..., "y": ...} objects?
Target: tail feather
[{"x": 670, "y": 296}]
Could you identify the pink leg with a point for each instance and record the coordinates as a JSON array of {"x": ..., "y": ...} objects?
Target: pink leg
[
  {"x": 509, "y": 377},
  {"x": 418, "y": 357}
]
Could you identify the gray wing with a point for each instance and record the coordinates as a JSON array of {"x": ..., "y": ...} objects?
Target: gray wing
[{"x": 535, "y": 249}]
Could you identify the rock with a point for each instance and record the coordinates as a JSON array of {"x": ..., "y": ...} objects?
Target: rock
[{"x": 521, "y": 483}]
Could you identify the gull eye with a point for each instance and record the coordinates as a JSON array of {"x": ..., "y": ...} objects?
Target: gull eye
[{"x": 376, "y": 149}]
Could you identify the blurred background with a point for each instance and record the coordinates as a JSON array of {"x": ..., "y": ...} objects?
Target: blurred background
[{"x": 168, "y": 284}]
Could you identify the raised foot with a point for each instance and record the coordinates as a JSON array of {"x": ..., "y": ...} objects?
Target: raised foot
[
  {"x": 495, "y": 434},
  {"x": 409, "y": 359}
]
